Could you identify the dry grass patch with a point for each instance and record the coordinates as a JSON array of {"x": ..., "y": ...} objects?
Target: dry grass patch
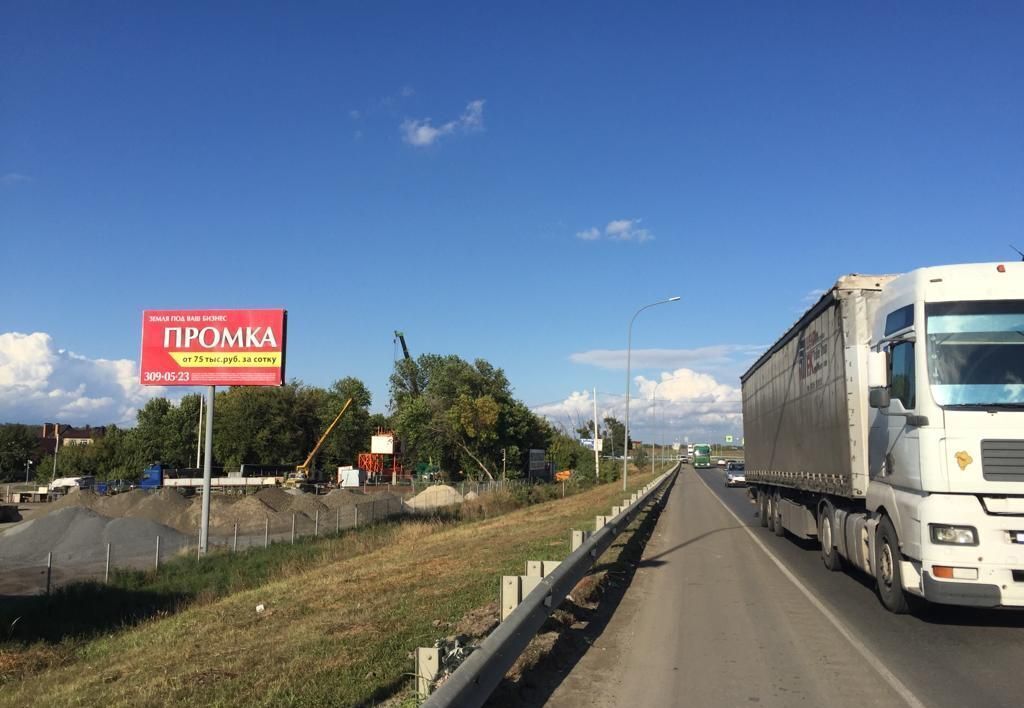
[{"x": 338, "y": 634}]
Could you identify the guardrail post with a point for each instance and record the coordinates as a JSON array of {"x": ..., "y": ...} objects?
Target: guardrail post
[
  {"x": 509, "y": 594},
  {"x": 599, "y": 522},
  {"x": 427, "y": 667},
  {"x": 577, "y": 539},
  {"x": 616, "y": 510}
]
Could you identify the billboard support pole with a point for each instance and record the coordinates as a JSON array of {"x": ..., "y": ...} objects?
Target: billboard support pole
[
  {"x": 597, "y": 453},
  {"x": 204, "y": 528}
]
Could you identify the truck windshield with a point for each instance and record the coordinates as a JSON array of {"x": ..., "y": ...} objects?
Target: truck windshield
[{"x": 976, "y": 353}]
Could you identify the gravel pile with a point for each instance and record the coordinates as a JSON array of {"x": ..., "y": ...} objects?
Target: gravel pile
[
  {"x": 275, "y": 498},
  {"x": 79, "y": 534},
  {"x": 344, "y": 498}
]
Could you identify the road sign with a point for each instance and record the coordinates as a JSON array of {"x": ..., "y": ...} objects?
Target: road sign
[{"x": 213, "y": 347}]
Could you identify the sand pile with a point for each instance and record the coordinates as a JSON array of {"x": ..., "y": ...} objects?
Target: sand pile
[
  {"x": 79, "y": 534},
  {"x": 435, "y": 497}
]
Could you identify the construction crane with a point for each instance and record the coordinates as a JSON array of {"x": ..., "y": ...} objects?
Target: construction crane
[
  {"x": 413, "y": 386},
  {"x": 301, "y": 473}
]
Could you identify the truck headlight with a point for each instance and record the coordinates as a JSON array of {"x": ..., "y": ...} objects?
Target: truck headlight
[{"x": 954, "y": 535}]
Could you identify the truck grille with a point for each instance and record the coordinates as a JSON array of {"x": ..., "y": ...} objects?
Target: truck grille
[{"x": 1002, "y": 460}]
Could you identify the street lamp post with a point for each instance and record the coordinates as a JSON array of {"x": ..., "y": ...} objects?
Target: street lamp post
[
  {"x": 28, "y": 466},
  {"x": 629, "y": 355}
]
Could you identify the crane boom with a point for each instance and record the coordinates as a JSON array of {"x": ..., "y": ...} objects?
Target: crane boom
[
  {"x": 303, "y": 469},
  {"x": 413, "y": 386}
]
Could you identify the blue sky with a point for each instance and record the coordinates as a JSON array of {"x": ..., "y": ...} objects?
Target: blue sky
[{"x": 432, "y": 168}]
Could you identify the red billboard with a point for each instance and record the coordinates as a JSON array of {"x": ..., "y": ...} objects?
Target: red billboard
[{"x": 213, "y": 347}]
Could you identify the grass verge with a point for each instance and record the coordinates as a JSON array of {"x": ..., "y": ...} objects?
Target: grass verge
[{"x": 338, "y": 633}]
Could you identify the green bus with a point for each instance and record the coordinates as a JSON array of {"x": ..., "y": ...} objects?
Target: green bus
[{"x": 701, "y": 456}]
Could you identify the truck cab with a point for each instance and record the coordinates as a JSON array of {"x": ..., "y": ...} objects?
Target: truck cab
[{"x": 946, "y": 435}]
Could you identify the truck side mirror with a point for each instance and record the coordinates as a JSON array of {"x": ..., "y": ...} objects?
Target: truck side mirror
[
  {"x": 878, "y": 370},
  {"x": 878, "y": 397}
]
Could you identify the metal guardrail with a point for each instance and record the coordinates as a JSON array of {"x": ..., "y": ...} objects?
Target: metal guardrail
[{"x": 477, "y": 677}]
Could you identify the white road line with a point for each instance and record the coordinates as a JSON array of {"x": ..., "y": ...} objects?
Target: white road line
[{"x": 876, "y": 663}]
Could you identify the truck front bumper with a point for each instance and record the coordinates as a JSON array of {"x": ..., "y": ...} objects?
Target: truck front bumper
[
  {"x": 996, "y": 562},
  {"x": 954, "y": 592}
]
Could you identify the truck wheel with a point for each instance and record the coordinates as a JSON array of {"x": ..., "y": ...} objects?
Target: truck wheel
[
  {"x": 778, "y": 528},
  {"x": 887, "y": 561},
  {"x": 829, "y": 555},
  {"x": 762, "y": 501},
  {"x": 769, "y": 508}
]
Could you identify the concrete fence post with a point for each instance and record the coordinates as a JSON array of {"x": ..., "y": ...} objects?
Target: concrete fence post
[
  {"x": 427, "y": 668},
  {"x": 156, "y": 561},
  {"x": 316, "y": 522},
  {"x": 234, "y": 540},
  {"x": 337, "y": 522},
  {"x": 49, "y": 569},
  {"x": 266, "y": 533},
  {"x": 106, "y": 568},
  {"x": 293, "y": 527}
]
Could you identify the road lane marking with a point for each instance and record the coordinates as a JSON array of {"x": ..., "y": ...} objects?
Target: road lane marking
[{"x": 905, "y": 693}]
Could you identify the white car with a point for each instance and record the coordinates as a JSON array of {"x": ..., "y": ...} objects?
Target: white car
[
  {"x": 721, "y": 463},
  {"x": 735, "y": 475}
]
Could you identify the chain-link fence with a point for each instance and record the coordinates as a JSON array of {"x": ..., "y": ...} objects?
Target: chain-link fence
[
  {"x": 37, "y": 558},
  {"x": 88, "y": 545}
]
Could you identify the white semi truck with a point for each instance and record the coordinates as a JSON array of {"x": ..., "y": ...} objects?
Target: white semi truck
[{"x": 888, "y": 423}]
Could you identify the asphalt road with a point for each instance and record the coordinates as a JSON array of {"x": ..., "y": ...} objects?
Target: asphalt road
[{"x": 712, "y": 620}]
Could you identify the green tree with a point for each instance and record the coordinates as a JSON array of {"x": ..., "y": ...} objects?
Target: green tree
[
  {"x": 352, "y": 433},
  {"x": 464, "y": 418},
  {"x": 18, "y": 445}
]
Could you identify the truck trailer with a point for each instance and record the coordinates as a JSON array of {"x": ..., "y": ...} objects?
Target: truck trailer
[{"x": 888, "y": 423}]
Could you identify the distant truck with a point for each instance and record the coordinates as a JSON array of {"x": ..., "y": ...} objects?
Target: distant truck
[
  {"x": 888, "y": 423},
  {"x": 62, "y": 485},
  {"x": 701, "y": 456}
]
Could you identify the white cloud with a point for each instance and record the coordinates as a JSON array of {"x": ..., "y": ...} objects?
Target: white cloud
[
  {"x": 14, "y": 178},
  {"x": 716, "y": 358},
  {"x": 40, "y": 383},
  {"x": 422, "y": 133},
  {"x": 617, "y": 230},
  {"x": 690, "y": 406},
  {"x": 354, "y": 114}
]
